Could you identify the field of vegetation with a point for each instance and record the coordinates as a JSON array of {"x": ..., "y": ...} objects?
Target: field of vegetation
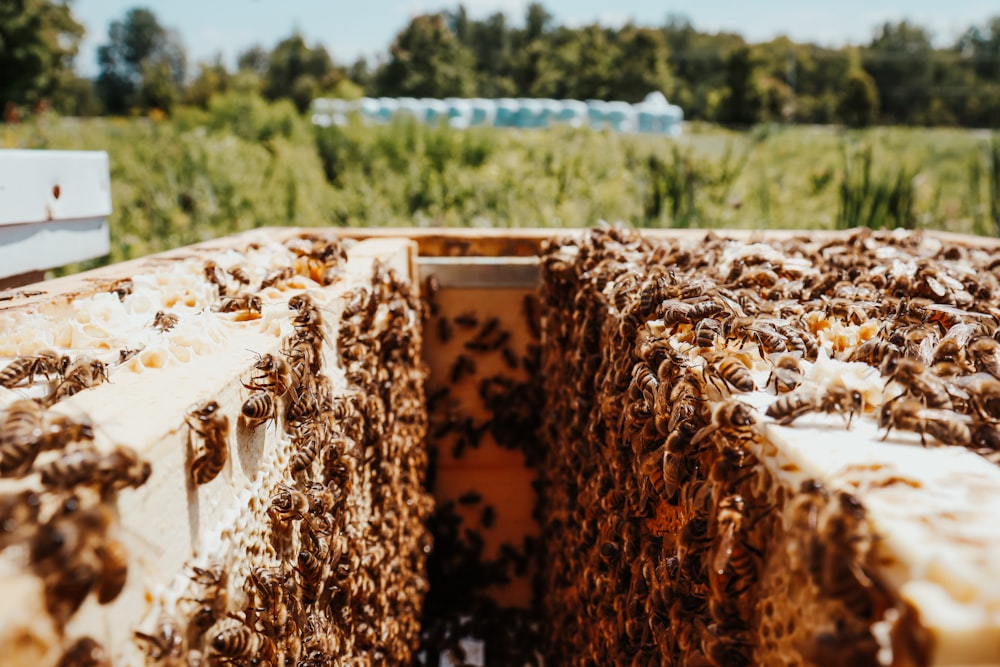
[{"x": 245, "y": 163}]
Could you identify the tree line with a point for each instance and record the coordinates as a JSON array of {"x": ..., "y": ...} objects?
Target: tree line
[{"x": 899, "y": 77}]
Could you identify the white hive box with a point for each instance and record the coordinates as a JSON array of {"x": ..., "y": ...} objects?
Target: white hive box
[{"x": 54, "y": 207}]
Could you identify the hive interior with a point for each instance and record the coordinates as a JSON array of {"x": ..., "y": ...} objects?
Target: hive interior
[
  {"x": 613, "y": 480},
  {"x": 275, "y": 388}
]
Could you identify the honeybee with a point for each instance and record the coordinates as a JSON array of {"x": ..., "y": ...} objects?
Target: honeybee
[
  {"x": 113, "y": 559},
  {"x": 759, "y": 277},
  {"x": 234, "y": 642},
  {"x": 288, "y": 505},
  {"x": 982, "y": 353},
  {"x": 722, "y": 651},
  {"x": 874, "y": 352},
  {"x": 322, "y": 260},
  {"x": 984, "y": 395},
  {"x": 791, "y": 406},
  {"x": 674, "y": 312},
  {"x": 213, "y": 428},
  {"x": 304, "y": 353},
  {"x": 488, "y": 517},
  {"x": 799, "y": 341},
  {"x": 687, "y": 402},
  {"x": 768, "y": 339},
  {"x": 702, "y": 310},
  {"x": 729, "y": 522},
  {"x": 321, "y": 499},
  {"x": 464, "y": 365},
  {"x": 644, "y": 385},
  {"x": 164, "y": 322},
  {"x": 531, "y": 312},
  {"x": 125, "y": 353},
  {"x": 707, "y": 332},
  {"x": 949, "y": 427},
  {"x": 72, "y": 553},
  {"x": 947, "y": 316},
  {"x": 27, "y": 429},
  {"x": 214, "y": 600},
  {"x": 510, "y": 358},
  {"x": 694, "y": 539},
  {"x": 273, "y": 592},
  {"x": 732, "y": 417},
  {"x": 248, "y": 306},
  {"x": 309, "y": 399},
  {"x": 166, "y": 643},
  {"x": 85, "y": 652},
  {"x": 839, "y": 398},
  {"x": 834, "y": 398},
  {"x": 304, "y": 455},
  {"x": 805, "y": 506},
  {"x": 651, "y": 294},
  {"x": 358, "y": 301},
  {"x": 445, "y": 330},
  {"x": 467, "y": 320},
  {"x": 84, "y": 373},
  {"x": 122, "y": 288},
  {"x": 785, "y": 374},
  {"x": 430, "y": 289},
  {"x": 740, "y": 329},
  {"x": 86, "y": 465},
  {"x": 215, "y": 276},
  {"x": 311, "y": 563},
  {"x": 258, "y": 408},
  {"x": 308, "y": 315},
  {"x": 27, "y": 367},
  {"x": 847, "y": 540},
  {"x": 275, "y": 376},
  {"x": 240, "y": 275},
  {"x": 912, "y": 375},
  {"x": 277, "y": 276},
  {"x": 731, "y": 372},
  {"x": 731, "y": 469},
  {"x": 663, "y": 470}
]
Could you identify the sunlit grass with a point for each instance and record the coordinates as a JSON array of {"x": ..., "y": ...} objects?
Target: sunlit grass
[{"x": 203, "y": 175}]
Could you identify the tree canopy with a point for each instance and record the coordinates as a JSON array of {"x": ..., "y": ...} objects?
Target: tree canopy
[
  {"x": 38, "y": 42},
  {"x": 899, "y": 76},
  {"x": 142, "y": 64}
]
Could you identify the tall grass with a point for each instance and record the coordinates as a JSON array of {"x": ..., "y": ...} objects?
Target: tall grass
[
  {"x": 993, "y": 179},
  {"x": 875, "y": 199},
  {"x": 244, "y": 163},
  {"x": 984, "y": 187}
]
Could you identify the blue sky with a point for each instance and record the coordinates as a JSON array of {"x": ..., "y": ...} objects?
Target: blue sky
[{"x": 366, "y": 27}]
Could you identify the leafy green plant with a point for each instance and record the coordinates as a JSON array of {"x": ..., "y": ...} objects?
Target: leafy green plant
[
  {"x": 246, "y": 163},
  {"x": 993, "y": 174},
  {"x": 870, "y": 198}
]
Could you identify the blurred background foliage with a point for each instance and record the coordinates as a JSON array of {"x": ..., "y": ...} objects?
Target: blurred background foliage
[
  {"x": 899, "y": 77},
  {"x": 780, "y": 134},
  {"x": 247, "y": 162}
]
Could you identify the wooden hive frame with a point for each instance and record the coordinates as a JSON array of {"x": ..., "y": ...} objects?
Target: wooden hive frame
[{"x": 498, "y": 470}]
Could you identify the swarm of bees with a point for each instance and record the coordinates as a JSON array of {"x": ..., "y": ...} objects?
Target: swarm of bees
[
  {"x": 657, "y": 532},
  {"x": 67, "y": 524},
  {"x": 346, "y": 528},
  {"x": 657, "y": 527},
  {"x": 345, "y": 582}
]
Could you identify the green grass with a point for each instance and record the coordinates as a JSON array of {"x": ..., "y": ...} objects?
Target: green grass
[{"x": 245, "y": 164}]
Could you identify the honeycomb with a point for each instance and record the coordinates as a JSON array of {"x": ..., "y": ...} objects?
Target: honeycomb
[
  {"x": 261, "y": 503},
  {"x": 734, "y": 469}
]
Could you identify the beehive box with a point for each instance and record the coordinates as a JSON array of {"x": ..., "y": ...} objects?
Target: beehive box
[{"x": 674, "y": 448}]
